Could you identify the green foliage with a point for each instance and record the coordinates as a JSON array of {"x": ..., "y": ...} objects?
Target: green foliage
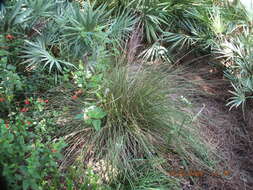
[
  {"x": 27, "y": 161},
  {"x": 92, "y": 116},
  {"x": 122, "y": 25},
  {"x": 240, "y": 72},
  {"x": 84, "y": 179},
  {"x": 14, "y": 16},
  {"x": 156, "y": 52},
  {"x": 136, "y": 122},
  {"x": 38, "y": 53},
  {"x": 153, "y": 17},
  {"x": 10, "y": 81},
  {"x": 151, "y": 14},
  {"x": 83, "y": 30},
  {"x": 30, "y": 156}
]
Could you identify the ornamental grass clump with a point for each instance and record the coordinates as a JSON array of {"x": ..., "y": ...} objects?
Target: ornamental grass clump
[{"x": 142, "y": 122}]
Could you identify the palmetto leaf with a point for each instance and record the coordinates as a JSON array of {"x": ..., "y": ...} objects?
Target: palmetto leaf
[
  {"x": 122, "y": 25},
  {"x": 14, "y": 15},
  {"x": 217, "y": 23},
  {"x": 238, "y": 99},
  {"x": 152, "y": 19},
  {"x": 156, "y": 52},
  {"x": 180, "y": 40},
  {"x": 36, "y": 54},
  {"x": 150, "y": 13},
  {"x": 83, "y": 30},
  {"x": 41, "y": 8}
]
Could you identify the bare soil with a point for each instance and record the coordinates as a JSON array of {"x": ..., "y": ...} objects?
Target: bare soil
[{"x": 229, "y": 132}]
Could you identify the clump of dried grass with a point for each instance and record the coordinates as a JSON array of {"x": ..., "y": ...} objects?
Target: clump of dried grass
[{"x": 143, "y": 126}]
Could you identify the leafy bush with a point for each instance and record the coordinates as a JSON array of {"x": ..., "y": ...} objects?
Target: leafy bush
[
  {"x": 27, "y": 161},
  {"x": 10, "y": 81},
  {"x": 30, "y": 157}
]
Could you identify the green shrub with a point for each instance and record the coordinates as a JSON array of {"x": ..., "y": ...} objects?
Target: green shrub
[
  {"x": 30, "y": 153},
  {"x": 237, "y": 51},
  {"x": 27, "y": 161},
  {"x": 10, "y": 81}
]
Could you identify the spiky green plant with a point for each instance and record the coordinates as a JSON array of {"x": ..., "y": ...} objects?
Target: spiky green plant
[
  {"x": 151, "y": 14},
  {"x": 153, "y": 17},
  {"x": 23, "y": 15},
  {"x": 193, "y": 28},
  {"x": 40, "y": 54},
  {"x": 84, "y": 30},
  {"x": 122, "y": 25},
  {"x": 239, "y": 54},
  {"x": 144, "y": 122},
  {"x": 156, "y": 52},
  {"x": 14, "y": 16}
]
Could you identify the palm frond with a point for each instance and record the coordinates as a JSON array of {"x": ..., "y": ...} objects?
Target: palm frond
[
  {"x": 122, "y": 25},
  {"x": 84, "y": 30},
  {"x": 37, "y": 54},
  {"x": 156, "y": 52}
]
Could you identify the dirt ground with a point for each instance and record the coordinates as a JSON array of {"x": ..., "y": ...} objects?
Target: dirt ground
[{"x": 229, "y": 132}]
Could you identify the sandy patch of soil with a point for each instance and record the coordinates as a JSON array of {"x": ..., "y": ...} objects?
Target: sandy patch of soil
[{"x": 227, "y": 131}]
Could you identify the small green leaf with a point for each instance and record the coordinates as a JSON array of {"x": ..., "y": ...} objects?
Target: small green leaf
[
  {"x": 11, "y": 67},
  {"x": 3, "y": 53},
  {"x": 88, "y": 121},
  {"x": 96, "y": 124},
  {"x": 79, "y": 116},
  {"x": 96, "y": 113},
  {"x": 25, "y": 184}
]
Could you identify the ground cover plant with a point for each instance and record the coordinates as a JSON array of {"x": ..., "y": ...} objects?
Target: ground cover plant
[{"x": 93, "y": 96}]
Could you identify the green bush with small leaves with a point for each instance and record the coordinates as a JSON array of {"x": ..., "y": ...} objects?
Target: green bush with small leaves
[{"x": 27, "y": 161}]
